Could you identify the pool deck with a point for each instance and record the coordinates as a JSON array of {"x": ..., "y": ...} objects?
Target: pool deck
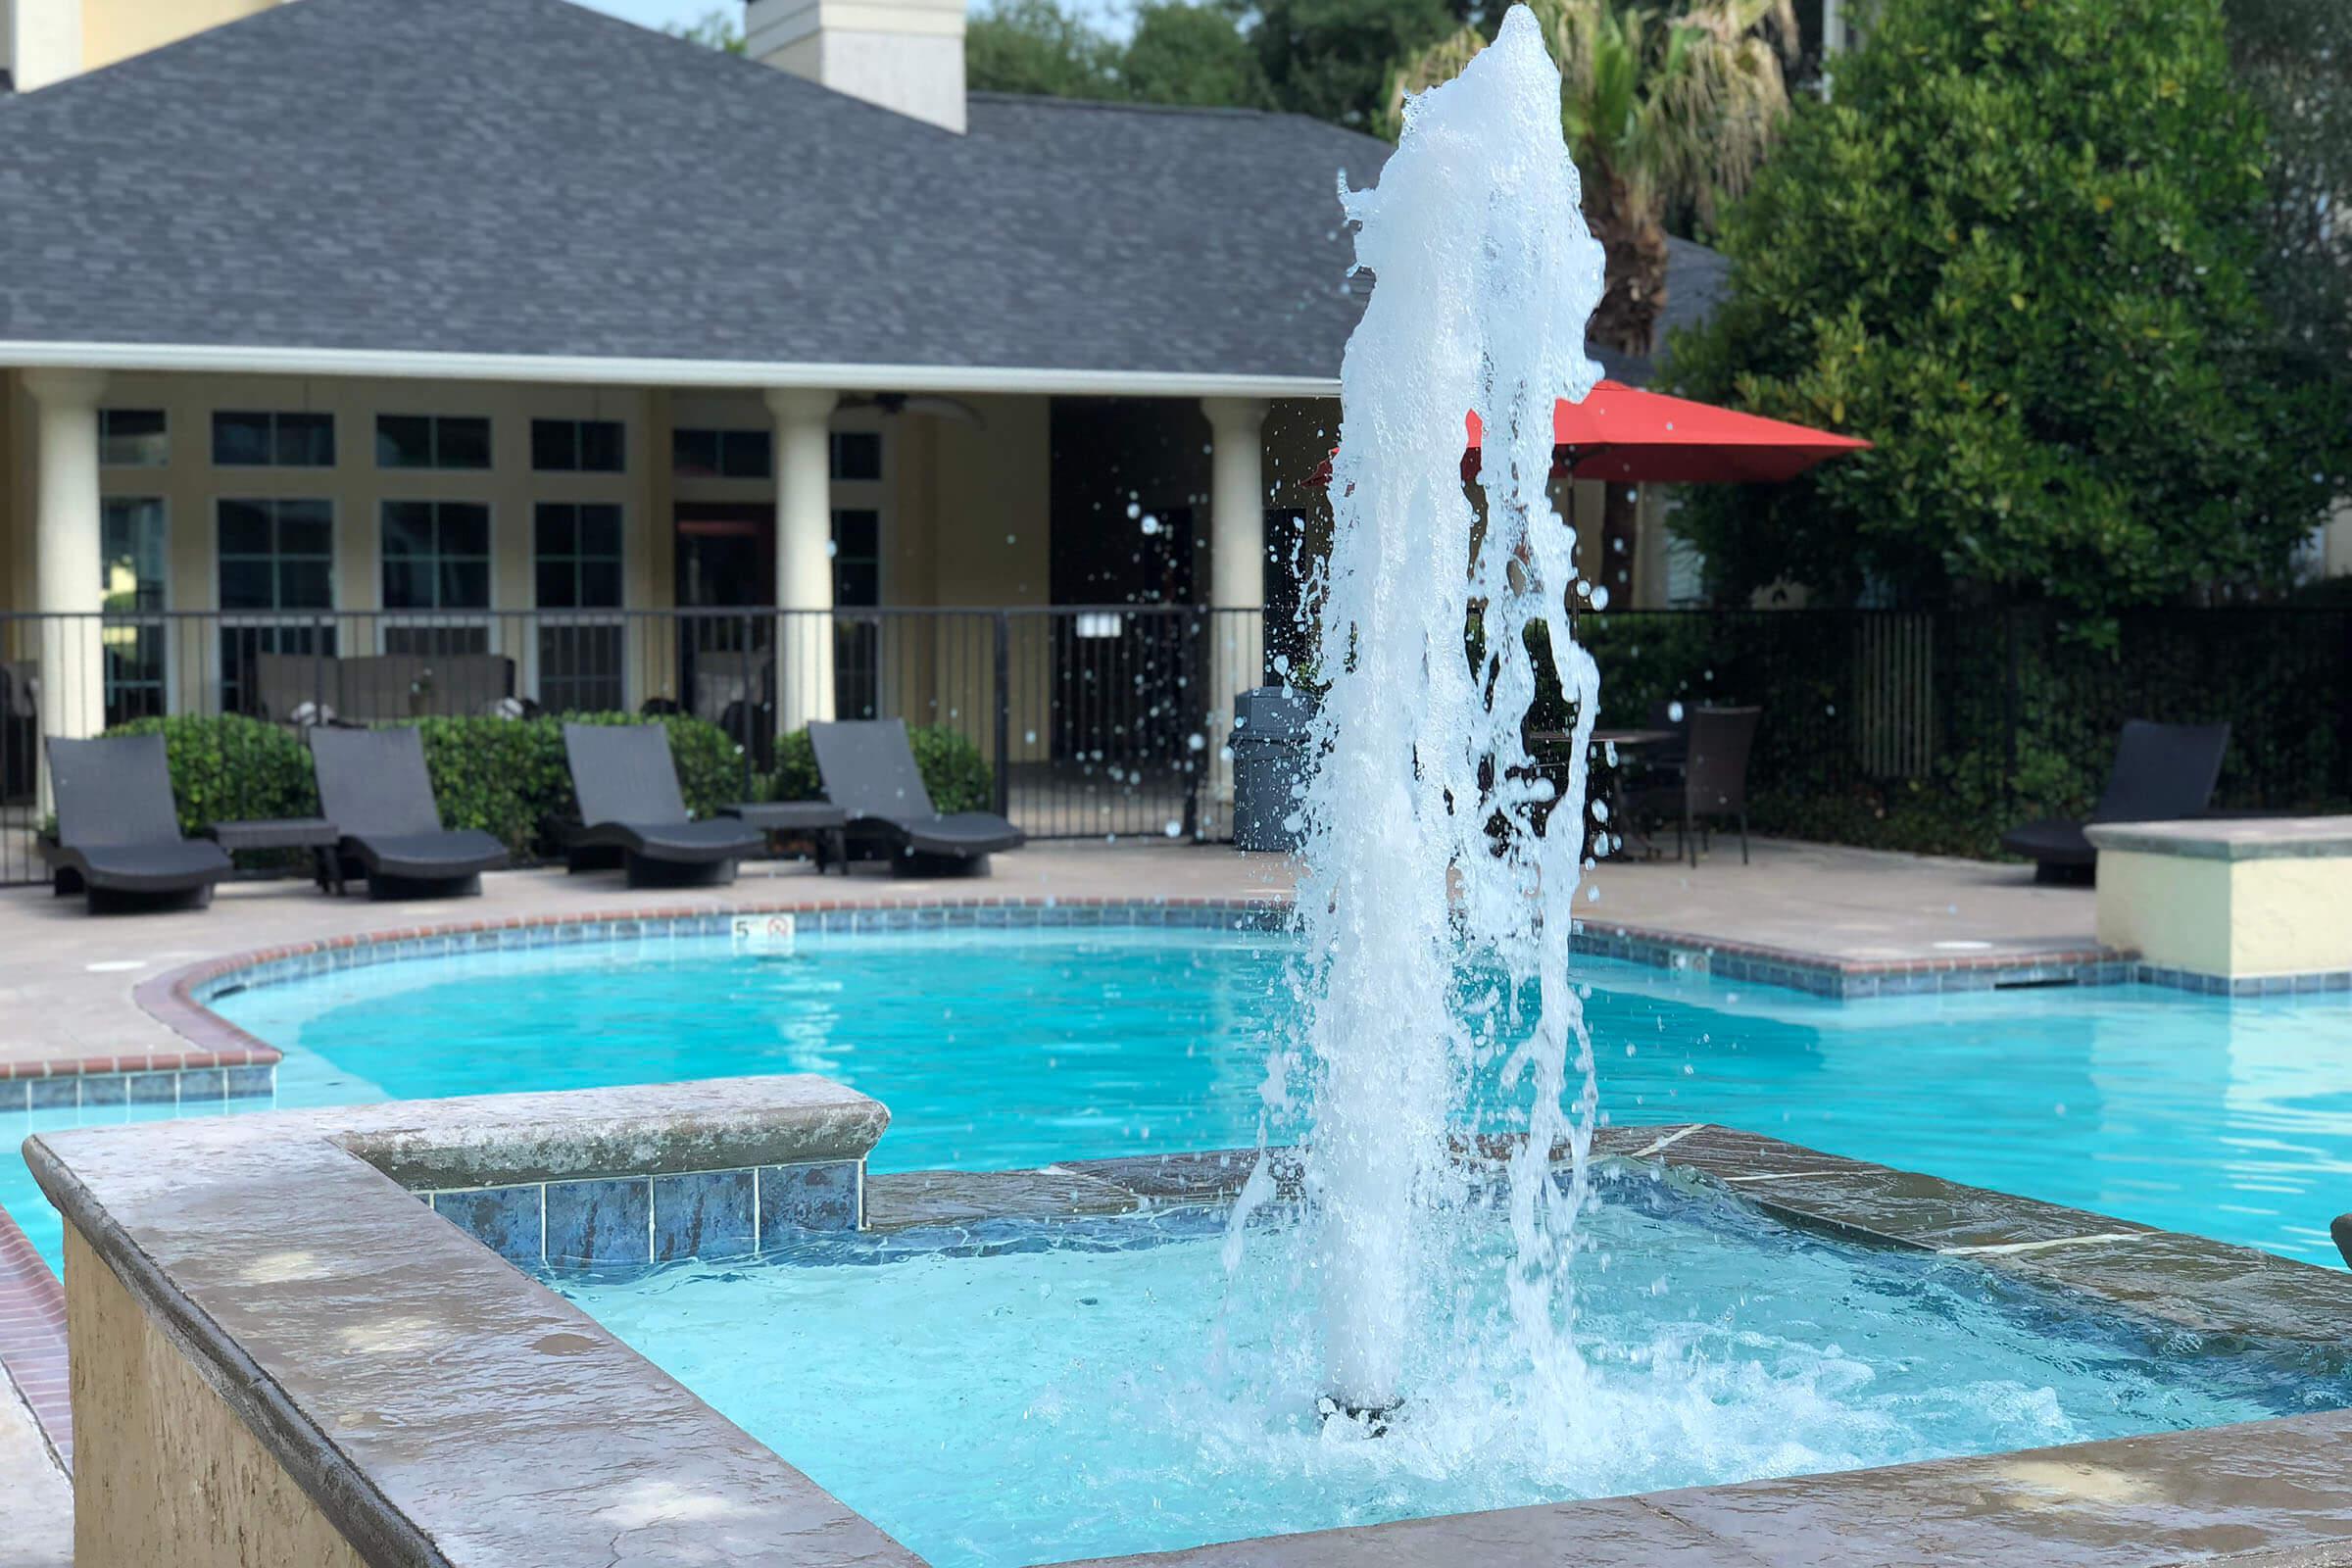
[{"x": 68, "y": 978}]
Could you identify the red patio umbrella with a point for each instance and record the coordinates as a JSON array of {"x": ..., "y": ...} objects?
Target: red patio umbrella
[{"x": 1622, "y": 432}]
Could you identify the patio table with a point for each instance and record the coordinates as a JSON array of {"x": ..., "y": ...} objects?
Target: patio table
[
  {"x": 826, "y": 824},
  {"x": 313, "y": 833},
  {"x": 1621, "y": 741}
]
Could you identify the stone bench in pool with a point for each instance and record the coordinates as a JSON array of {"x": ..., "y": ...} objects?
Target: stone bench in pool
[{"x": 2248, "y": 905}]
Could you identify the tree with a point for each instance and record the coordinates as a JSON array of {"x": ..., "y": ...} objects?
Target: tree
[
  {"x": 2018, "y": 250},
  {"x": 1035, "y": 46},
  {"x": 1333, "y": 59},
  {"x": 1662, "y": 114},
  {"x": 716, "y": 30},
  {"x": 1191, "y": 55},
  {"x": 2295, "y": 57}
]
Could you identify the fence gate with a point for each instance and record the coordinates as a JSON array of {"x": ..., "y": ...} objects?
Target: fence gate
[{"x": 1895, "y": 694}]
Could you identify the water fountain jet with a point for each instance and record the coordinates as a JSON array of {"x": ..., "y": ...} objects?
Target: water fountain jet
[{"x": 1422, "y": 811}]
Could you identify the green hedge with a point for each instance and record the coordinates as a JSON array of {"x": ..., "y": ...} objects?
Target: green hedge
[
  {"x": 504, "y": 775},
  {"x": 958, "y": 776}
]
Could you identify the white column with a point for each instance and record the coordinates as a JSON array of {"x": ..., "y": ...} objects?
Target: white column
[
  {"x": 1236, "y": 574},
  {"x": 804, "y": 554},
  {"x": 68, "y": 581},
  {"x": 47, "y": 43}
]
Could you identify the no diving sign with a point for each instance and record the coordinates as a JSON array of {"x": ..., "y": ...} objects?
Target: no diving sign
[{"x": 764, "y": 933}]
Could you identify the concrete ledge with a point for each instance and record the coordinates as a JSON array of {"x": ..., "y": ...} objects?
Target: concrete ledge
[
  {"x": 433, "y": 1404},
  {"x": 2237, "y": 900},
  {"x": 335, "y": 1375},
  {"x": 2270, "y": 838}
]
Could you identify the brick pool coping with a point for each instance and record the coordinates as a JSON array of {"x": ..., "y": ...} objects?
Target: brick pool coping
[
  {"x": 176, "y": 997},
  {"x": 197, "y": 1252}
]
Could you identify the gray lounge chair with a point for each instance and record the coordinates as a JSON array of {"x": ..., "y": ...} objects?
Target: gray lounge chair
[
  {"x": 373, "y": 785},
  {"x": 118, "y": 832},
  {"x": 868, "y": 771},
  {"x": 631, "y": 809},
  {"x": 2162, "y": 773}
]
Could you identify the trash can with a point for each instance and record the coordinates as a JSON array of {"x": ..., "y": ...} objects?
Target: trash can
[{"x": 1271, "y": 732}]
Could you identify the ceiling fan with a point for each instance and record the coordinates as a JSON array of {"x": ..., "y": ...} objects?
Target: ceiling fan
[{"x": 930, "y": 403}]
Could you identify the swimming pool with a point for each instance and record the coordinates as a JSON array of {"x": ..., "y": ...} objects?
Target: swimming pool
[
  {"x": 1013, "y": 1394},
  {"x": 999, "y": 1048}
]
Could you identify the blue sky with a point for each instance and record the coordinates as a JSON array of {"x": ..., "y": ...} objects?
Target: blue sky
[
  {"x": 665, "y": 12},
  {"x": 661, "y": 12}
]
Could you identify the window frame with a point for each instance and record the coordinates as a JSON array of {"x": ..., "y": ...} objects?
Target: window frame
[
  {"x": 766, "y": 438},
  {"x": 577, "y": 429},
  {"x": 142, "y": 621},
  {"x": 276, "y": 440},
  {"x": 435, "y": 461},
  {"x": 163, "y": 434}
]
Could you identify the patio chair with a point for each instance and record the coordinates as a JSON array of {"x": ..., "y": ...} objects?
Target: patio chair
[
  {"x": 118, "y": 832},
  {"x": 372, "y": 786},
  {"x": 1714, "y": 783},
  {"x": 868, "y": 771},
  {"x": 2162, "y": 773},
  {"x": 631, "y": 809}
]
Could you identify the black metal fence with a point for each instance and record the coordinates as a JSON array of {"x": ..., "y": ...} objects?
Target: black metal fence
[
  {"x": 1935, "y": 729},
  {"x": 1922, "y": 730},
  {"x": 1094, "y": 722}
]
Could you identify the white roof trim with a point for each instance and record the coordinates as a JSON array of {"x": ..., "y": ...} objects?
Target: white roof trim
[{"x": 239, "y": 360}]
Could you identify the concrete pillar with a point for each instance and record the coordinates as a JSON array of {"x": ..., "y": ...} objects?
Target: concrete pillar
[
  {"x": 45, "y": 42},
  {"x": 1237, "y": 565},
  {"x": 804, "y": 554},
  {"x": 66, "y": 577}
]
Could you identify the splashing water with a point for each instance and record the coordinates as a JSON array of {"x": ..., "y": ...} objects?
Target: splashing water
[{"x": 1422, "y": 850}]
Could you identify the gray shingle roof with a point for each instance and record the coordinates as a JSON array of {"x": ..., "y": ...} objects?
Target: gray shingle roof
[
  {"x": 529, "y": 177},
  {"x": 525, "y": 176}
]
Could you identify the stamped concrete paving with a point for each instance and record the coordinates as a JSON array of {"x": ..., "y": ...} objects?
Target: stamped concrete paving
[{"x": 65, "y": 977}]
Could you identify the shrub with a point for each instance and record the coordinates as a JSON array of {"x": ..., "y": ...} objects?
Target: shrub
[
  {"x": 958, "y": 776},
  {"x": 2020, "y": 251},
  {"x": 505, "y": 776},
  {"x": 228, "y": 767}
]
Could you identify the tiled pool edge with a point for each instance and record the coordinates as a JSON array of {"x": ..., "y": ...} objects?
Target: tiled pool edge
[
  {"x": 2271, "y": 1485},
  {"x": 177, "y": 997}
]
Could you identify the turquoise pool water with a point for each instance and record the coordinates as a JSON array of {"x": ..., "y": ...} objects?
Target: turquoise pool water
[
  {"x": 992, "y": 1401},
  {"x": 2231, "y": 1120}
]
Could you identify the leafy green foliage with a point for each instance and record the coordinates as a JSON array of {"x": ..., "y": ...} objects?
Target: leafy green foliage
[
  {"x": 1039, "y": 48},
  {"x": 957, "y": 777},
  {"x": 1191, "y": 55},
  {"x": 233, "y": 768},
  {"x": 721, "y": 30},
  {"x": 2018, "y": 251},
  {"x": 506, "y": 776},
  {"x": 1333, "y": 59},
  {"x": 2295, "y": 57}
]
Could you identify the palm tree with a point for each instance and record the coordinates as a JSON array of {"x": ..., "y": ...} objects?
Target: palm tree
[{"x": 1665, "y": 113}]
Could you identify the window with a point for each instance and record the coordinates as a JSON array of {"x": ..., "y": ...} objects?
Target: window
[
  {"x": 436, "y": 554},
  {"x": 722, "y": 453},
  {"x": 856, "y": 556},
  {"x": 431, "y": 441},
  {"x": 576, "y": 445},
  {"x": 575, "y": 553},
  {"x": 857, "y": 583},
  {"x": 243, "y": 440},
  {"x": 133, "y": 438},
  {"x": 131, "y": 540},
  {"x": 857, "y": 455},
  {"x": 275, "y": 556},
  {"x": 578, "y": 553}
]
